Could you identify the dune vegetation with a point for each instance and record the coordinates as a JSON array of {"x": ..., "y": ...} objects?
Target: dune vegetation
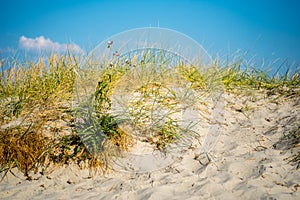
[{"x": 37, "y": 126}]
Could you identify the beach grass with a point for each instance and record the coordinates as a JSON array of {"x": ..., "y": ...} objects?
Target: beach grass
[{"x": 37, "y": 119}]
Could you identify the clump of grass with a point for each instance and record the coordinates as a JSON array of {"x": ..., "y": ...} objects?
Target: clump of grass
[
  {"x": 33, "y": 96},
  {"x": 97, "y": 128},
  {"x": 153, "y": 111},
  {"x": 236, "y": 76},
  {"x": 23, "y": 148},
  {"x": 71, "y": 149},
  {"x": 165, "y": 135}
]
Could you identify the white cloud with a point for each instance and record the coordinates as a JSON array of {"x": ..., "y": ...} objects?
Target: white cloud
[{"x": 45, "y": 44}]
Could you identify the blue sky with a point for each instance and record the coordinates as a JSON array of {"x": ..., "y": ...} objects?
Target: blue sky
[{"x": 268, "y": 29}]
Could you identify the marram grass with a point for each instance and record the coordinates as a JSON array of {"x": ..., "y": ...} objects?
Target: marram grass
[{"x": 36, "y": 117}]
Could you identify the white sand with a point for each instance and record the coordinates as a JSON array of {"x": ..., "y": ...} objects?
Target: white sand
[{"x": 244, "y": 164}]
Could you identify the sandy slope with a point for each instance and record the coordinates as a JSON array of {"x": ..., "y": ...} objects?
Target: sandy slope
[{"x": 245, "y": 164}]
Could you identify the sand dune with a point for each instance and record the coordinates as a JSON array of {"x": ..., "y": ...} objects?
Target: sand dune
[{"x": 247, "y": 162}]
